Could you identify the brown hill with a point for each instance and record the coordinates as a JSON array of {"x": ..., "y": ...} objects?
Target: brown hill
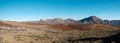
[
  {"x": 84, "y": 27},
  {"x": 61, "y": 26},
  {"x": 23, "y": 24},
  {"x": 4, "y": 24}
]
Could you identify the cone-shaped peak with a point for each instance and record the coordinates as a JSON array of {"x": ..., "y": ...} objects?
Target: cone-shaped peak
[
  {"x": 94, "y": 18},
  {"x": 91, "y": 19}
]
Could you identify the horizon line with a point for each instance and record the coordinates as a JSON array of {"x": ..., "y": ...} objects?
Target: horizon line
[{"x": 53, "y": 18}]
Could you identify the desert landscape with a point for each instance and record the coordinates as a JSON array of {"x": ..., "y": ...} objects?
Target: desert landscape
[
  {"x": 59, "y": 21},
  {"x": 88, "y": 30}
]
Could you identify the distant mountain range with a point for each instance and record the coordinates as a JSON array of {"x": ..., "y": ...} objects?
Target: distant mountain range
[
  {"x": 55, "y": 21},
  {"x": 96, "y": 20},
  {"x": 88, "y": 20},
  {"x": 88, "y": 23}
]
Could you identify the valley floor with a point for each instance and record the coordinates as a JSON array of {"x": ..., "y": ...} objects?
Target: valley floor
[{"x": 44, "y": 35}]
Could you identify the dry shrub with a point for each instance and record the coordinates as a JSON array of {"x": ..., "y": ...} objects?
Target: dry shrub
[
  {"x": 1, "y": 39},
  {"x": 39, "y": 37}
]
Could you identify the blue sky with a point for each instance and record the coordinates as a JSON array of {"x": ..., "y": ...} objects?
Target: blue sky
[{"x": 23, "y": 10}]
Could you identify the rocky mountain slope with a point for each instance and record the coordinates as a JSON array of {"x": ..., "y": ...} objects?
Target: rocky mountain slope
[
  {"x": 91, "y": 19},
  {"x": 97, "y": 20}
]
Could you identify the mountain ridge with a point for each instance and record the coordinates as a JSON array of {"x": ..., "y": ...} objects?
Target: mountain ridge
[
  {"x": 88, "y": 20},
  {"x": 68, "y": 24}
]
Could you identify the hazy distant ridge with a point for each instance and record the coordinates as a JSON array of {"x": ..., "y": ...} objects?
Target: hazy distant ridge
[{"x": 88, "y": 20}]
